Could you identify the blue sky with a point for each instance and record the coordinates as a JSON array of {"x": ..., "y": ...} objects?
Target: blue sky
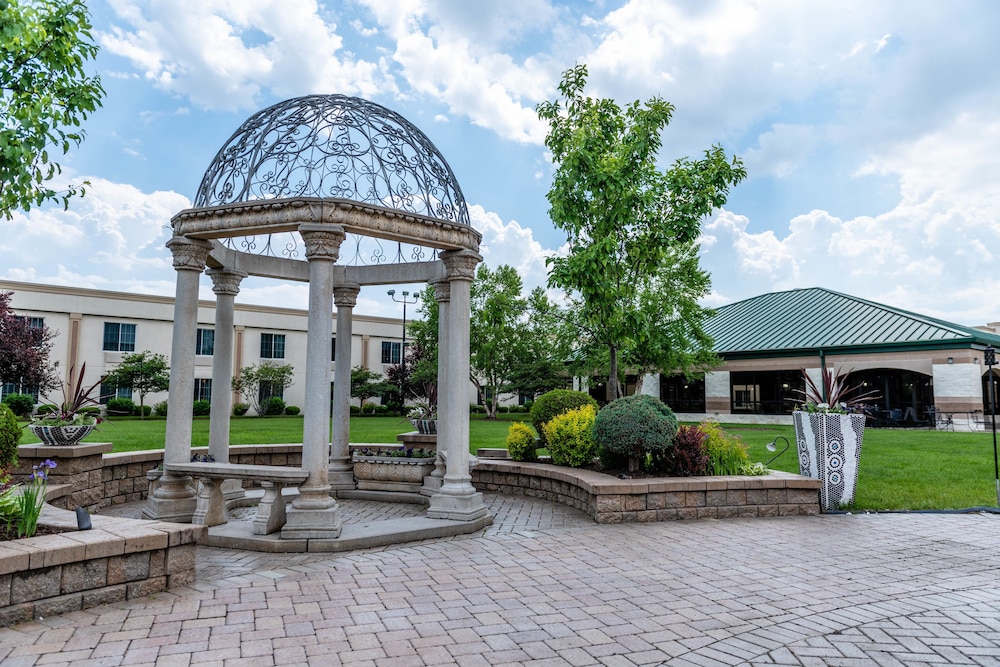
[{"x": 870, "y": 130}]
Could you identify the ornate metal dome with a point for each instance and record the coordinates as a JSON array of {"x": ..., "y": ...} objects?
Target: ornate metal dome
[{"x": 333, "y": 146}]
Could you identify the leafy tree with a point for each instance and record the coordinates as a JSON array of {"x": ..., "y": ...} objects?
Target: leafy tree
[
  {"x": 365, "y": 383},
  {"x": 497, "y": 332},
  {"x": 24, "y": 350},
  {"x": 144, "y": 372},
  {"x": 623, "y": 217},
  {"x": 256, "y": 384},
  {"x": 44, "y": 95},
  {"x": 548, "y": 343}
]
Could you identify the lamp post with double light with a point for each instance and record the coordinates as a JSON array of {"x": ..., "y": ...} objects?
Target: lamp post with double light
[
  {"x": 990, "y": 359},
  {"x": 405, "y": 300}
]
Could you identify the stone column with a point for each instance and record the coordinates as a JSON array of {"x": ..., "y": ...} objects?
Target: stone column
[
  {"x": 226, "y": 285},
  {"x": 174, "y": 498},
  {"x": 442, "y": 294},
  {"x": 314, "y": 513},
  {"x": 457, "y": 499},
  {"x": 345, "y": 297}
]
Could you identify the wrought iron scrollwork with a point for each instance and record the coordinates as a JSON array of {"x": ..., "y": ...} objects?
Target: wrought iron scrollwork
[{"x": 334, "y": 146}]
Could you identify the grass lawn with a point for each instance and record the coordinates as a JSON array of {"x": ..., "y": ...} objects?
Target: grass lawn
[{"x": 900, "y": 469}]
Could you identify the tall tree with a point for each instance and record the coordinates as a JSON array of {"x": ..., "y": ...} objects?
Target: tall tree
[
  {"x": 45, "y": 94},
  {"x": 257, "y": 384},
  {"x": 145, "y": 372},
  {"x": 621, "y": 214},
  {"x": 24, "y": 350}
]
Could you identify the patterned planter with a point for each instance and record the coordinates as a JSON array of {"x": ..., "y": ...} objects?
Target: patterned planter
[
  {"x": 61, "y": 435},
  {"x": 829, "y": 448},
  {"x": 391, "y": 473}
]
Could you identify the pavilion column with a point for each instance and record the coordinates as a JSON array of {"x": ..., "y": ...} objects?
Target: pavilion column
[
  {"x": 226, "y": 285},
  {"x": 457, "y": 499},
  {"x": 174, "y": 498},
  {"x": 442, "y": 294},
  {"x": 345, "y": 297},
  {"x": 314, "y": 513}
]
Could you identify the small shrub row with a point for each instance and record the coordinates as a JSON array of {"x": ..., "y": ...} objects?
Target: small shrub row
[{"x": 20, "y": 404}]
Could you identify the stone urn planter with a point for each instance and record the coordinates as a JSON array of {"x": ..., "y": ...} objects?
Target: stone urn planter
[
  {"x": 384, "y": 472},
  {"x": 425, "y": 426},
  {"x": 829, "y": 448},
  {"x": 61, "y": 436}
]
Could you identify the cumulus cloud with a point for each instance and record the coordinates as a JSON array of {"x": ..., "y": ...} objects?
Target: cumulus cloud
[
  {"x": 224, "y": 54},
  {"x": 113, "y": 238}
]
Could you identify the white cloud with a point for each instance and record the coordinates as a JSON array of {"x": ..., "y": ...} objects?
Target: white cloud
[
  {"x": 223, "y": 54},
  {"x": 510, "y": 243}
]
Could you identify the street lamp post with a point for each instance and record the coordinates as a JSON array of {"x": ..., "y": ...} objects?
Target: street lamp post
[
  {"x": 402, "y": 350},
  {"x": 990, "y": 359}
]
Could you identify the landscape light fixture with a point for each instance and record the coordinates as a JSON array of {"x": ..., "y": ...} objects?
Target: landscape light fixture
[
  {"x": 990, "y": 359},
  {"x": 773, "y": 447}
]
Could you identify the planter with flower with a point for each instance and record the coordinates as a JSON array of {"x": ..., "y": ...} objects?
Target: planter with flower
[
  {"x": 392, "y": 468},
  {"x": 423, "y": 416},
  {"x": 72, "y": 420},
  {"x": 829, "y": 430}
]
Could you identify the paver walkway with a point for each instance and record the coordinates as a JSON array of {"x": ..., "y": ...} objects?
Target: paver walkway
[{"x": 546, "y": 586}]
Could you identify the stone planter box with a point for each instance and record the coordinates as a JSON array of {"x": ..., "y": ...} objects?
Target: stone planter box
[{"x": 391, "y": 473}]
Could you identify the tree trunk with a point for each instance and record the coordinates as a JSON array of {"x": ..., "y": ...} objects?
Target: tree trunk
[{"x": 613, "y": 390}]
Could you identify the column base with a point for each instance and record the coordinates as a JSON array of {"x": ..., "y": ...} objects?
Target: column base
[
  {"x": 340, "y": 477},
  {"x": 310, "y": 524},
  {"x": 432, "y": 485},
  {"x": 174, "y": 499},
  {"x": 446, "y": 504}
]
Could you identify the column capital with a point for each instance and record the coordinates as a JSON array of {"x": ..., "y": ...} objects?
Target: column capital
[
  {"x": 322, "y": 241},
  {"x": 442, "y": 289},
  {"x": 226, "y": 281},
  {"x": 346, "y": 296},
  {"x": 461, "y": 264},
  {"x": 189, "y": 254}
]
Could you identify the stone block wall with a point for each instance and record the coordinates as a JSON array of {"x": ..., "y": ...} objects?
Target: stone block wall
[
  {"x": 611, "y": 500},
  {"x": 116, "y": 560}
]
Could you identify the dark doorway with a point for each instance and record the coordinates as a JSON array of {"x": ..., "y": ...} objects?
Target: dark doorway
[
  {"x": 905, "y": 398},
  {"x": 682, "y": 394},
  {"x": 766, "y": 392}
]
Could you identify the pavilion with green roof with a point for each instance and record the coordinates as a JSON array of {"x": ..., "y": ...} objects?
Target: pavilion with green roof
[{"x": 923, "y": 368}]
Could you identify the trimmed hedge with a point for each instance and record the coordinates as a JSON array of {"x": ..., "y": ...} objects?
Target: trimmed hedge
[
  {"x": 554, "y": 403},
  {"x": 520, "y": 442},
  {"x": 20, "y": 404}
]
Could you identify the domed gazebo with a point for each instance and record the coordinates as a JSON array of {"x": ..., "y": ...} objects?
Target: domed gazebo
[{"x": 372, "y": 201}]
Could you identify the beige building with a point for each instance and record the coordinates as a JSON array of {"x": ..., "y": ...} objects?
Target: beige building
[{"x": 99, "y": 327}]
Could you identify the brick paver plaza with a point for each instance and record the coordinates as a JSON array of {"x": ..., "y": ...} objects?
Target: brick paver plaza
[{"x": 546, "y": 586}]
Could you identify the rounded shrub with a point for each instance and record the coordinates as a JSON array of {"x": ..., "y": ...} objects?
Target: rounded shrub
[
  {"x": 240, "y": 409},
  {"x": 160, "y": 409},
  {"x": 47, "y": 409},
  {"x": 381, "y": 410},
  {"x": 273, "y": 406},
  {"x": 687, "y": 457},
  {"x": 570, "y": 437},
  {"x": 355, "y": 410},
  {"x": 121, "y": 406},
  {"x": 142, "y": 410},
  {"x": 292, "y": 410},
  {"x": 520, "y": 442},
  {"x": 554, "y": 403},
  {"x": 20, "y": 404},
  {"x": 634, "y": 426},
  {"x": 10, "y": 437},
  {"x": 201, "y": 408}
]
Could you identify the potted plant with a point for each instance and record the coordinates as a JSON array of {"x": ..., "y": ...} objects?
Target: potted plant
[
  {"x": 829, "y": 429},
  {"x": 74, "y": 418},
  {"x": 423, "y": 416}
]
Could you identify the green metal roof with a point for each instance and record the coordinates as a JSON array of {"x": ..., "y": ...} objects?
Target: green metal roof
[{"x": 809, "y": 320}]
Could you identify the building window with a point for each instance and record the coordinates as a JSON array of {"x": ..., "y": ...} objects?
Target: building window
[
  {"x": 203, "y": 389},
  {"x": 19, "y": 388},
  {"x": 333, "y": 349},
  {"x": 269, "y": 390},
  {"x": 109, "y": 391},
  {"x": 391, "y": 352},
  {"x": 272, "y": 346},
  {"x": 205, "y": 344},
  {"x": 33, "y": 322},
  {"x": 119, "y": 337}
]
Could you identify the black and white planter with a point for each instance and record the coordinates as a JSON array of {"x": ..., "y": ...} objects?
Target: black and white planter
[
  {"x": 61, "y": 436},
  {"x": 829, "y": 448}
]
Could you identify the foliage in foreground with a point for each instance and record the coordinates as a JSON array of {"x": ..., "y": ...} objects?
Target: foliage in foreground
[
  {"x": 520, "y": 442},
  {"x": 570, "y": 437},
  {"x": 552, "y": 404},
  {"x": 10, "y": 437},
  {"x": 635, "y": 427}
]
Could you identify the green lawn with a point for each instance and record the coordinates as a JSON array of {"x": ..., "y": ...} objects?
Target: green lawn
[{"x": 900, "y": 469}]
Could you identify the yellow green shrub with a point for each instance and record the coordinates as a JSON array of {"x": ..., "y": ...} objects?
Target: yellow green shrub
[
  {"x": 520, "y": 442},
  {"x": 570, "y": 437}
]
